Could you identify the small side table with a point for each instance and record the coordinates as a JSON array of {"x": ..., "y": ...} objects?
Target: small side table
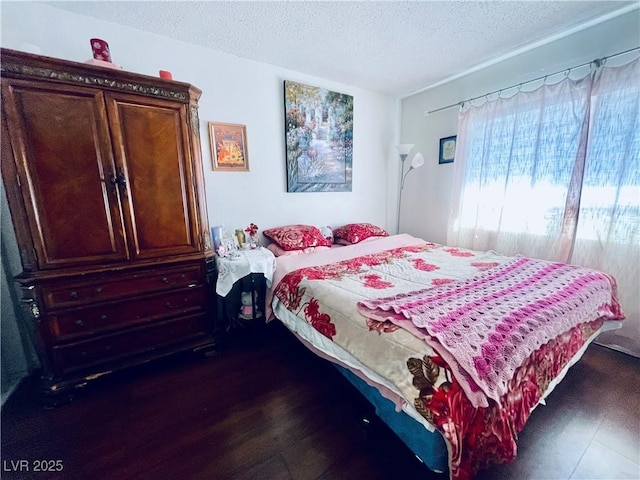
[{"x": 250, "y": 270}]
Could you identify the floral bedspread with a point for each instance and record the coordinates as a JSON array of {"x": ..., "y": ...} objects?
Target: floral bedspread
[
  {"x": 325, "y": 296},
  {"x": 486, "y": 326}
]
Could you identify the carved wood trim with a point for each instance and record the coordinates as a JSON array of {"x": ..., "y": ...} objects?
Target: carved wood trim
[
  {"x": 91, "y": 80},
  {"x": 195, "y": 121}
]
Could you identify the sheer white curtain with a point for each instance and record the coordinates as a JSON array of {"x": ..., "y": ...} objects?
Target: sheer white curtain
[
  {"x": 514, "y": 172},
  {"x": 554, "y": 174},
  {"x": 608, "y": 230}
]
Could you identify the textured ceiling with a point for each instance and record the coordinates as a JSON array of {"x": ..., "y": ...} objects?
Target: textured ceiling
[{"x": 394, "y": 47}]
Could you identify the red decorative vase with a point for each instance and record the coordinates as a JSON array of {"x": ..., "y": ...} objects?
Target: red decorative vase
[{"x": 100, "y": 50}]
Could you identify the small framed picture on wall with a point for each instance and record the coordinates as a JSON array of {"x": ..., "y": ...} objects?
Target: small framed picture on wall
[
  {"x": 229, "y": 147},
  {"x": 447, "y": 149}
]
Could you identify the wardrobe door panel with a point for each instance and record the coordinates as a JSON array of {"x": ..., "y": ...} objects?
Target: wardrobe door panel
[
  {"x": 64, "y": 162},
  {"x": 153, "y": 154}
]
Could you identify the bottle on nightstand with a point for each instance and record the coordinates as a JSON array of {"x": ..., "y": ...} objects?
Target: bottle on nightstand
[{"x": 241, "y": 237}]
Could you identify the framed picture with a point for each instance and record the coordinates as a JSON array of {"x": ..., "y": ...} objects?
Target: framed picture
[
  {"x": 228, "y": 246},
  {"x": 230, "y": 243},
  {"x": 229, "y": 147},
  {"x": 447, "y": 149},
  {"x": 217, "y": 233},
  {"x": 319, "y": 139}
]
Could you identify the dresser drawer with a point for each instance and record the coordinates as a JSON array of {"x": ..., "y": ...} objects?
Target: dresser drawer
[
  {"x": 138, "y": 341},
  {"x": 100, "y": 318},
  {"x": 118, "y": 286}
]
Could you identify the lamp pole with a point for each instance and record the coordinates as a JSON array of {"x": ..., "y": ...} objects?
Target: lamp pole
[
  {"x": 418, "y": 161},
  {"x": 403, "y": 157}
]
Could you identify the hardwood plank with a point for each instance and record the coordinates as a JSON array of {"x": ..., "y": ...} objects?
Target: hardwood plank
[
  {"x": 602, "y": 463},
  {"x": 269, "y": 409}
]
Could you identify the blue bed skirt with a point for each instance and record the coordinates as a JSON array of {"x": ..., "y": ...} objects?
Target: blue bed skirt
[{"x": 428, "y": 446}]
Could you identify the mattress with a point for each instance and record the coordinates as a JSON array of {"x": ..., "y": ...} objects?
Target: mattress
[{"x": 320, "y": 298}]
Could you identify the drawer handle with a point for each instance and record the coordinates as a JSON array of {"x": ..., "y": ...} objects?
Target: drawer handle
[
  {"x": 166, "y": 280},
  {"x": 74, "y": 294},
  {"x": 103, "y": 317},
  {"x": 99, "y": 289},
  {"x": 79, "y": 322}
]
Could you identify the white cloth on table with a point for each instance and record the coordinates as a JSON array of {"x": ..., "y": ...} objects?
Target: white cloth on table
[{"x": 232, "y": 269}]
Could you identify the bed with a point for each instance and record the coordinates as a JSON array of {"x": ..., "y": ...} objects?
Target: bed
[{"x": 453, "y": 347}]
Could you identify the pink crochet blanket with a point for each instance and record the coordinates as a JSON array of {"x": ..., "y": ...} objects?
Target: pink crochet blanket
[{"x": 486, "y": 326}]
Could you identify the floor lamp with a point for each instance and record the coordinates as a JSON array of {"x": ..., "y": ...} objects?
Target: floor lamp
[{"x": 418, "y": 161}]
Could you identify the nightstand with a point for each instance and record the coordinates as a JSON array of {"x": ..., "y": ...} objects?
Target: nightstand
[{"x": 249, "y": 270}]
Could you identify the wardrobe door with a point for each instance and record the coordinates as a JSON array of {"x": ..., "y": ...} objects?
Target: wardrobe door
[
  {"x": 60, "y": 141},
  {"x": 152, "y": 155}
]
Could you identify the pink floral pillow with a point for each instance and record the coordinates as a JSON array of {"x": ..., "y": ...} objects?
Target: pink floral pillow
[
  {"x": 342, "y": 241},
  {"x": 278, "y": 252},
  {"x": 297, "y": 237},
  {"x": 357, "y": 232}
]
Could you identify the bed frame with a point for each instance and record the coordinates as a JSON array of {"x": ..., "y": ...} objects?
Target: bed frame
[{"x": 429, "y": 447}]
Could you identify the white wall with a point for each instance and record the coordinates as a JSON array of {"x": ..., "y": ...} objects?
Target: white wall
[
  {"x": 234, "y": 91},
  {"x": 17, "y": 357},
  {"x": 427, "y": 194}
]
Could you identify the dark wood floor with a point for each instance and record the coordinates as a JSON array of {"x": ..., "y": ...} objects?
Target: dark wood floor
[{"x": 271, "y": 410}]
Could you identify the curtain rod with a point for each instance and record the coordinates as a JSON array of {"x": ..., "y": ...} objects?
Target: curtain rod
[{"x": 598, "y": 62}]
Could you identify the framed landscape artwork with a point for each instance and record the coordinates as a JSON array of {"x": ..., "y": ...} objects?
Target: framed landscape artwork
[
  {"x": 319, "y": 139},
  {"x": 229, "y": 147}
]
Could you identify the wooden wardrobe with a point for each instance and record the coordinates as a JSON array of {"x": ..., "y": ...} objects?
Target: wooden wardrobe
[{"x": 104, "y": 179}]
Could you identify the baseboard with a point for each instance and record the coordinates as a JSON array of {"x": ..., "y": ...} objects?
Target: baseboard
[
  {"x": 8, "y": 393},
  {"x": 617, "y": 348}
]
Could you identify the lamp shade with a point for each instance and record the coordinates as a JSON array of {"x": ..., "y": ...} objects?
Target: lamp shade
[
  {"x": 418, "y": 160},
  {"x": 404, "y": 148}
]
